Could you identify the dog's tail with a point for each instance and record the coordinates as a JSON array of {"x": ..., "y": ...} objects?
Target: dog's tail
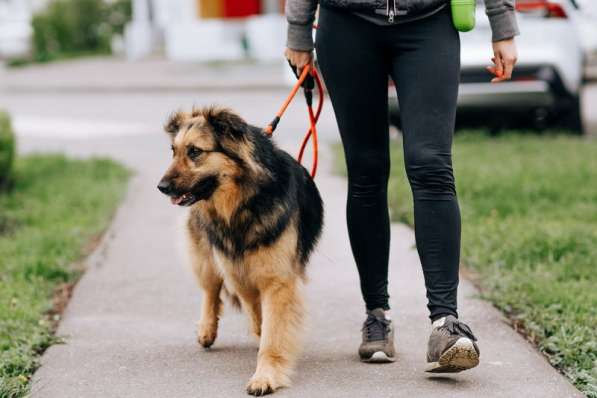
[{"x": 231, "y": 298}]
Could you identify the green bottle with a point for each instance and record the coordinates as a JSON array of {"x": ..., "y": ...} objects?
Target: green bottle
[{"x": 463, "y": 14}]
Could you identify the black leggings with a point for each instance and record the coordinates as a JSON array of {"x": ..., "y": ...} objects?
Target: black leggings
[{"x": 423, "y": 58}]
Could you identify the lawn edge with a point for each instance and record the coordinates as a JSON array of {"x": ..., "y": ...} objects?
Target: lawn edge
[
  {"x": 516, "y": 324},
  {"x": 63, "y": 293}
]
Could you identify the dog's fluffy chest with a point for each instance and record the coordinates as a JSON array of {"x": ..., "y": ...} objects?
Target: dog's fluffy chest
[
  {"x": 225, "y": 265},
  {"x": 245, "y": 231},
  {"x": 236, "y": 274}
]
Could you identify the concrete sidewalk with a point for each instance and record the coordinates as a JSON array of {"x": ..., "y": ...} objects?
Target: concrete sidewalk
[
  {"x": 110, "y": 74},
  {"x": 130, "y": 327}
]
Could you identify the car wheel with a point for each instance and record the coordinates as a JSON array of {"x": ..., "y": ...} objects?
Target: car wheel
[{"x": 569, "y": 115}]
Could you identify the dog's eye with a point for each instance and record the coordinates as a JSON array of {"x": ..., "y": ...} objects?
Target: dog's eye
[{"x": 193, "y": 152}]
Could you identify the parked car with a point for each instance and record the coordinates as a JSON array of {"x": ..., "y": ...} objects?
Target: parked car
[{"x": 546, "y": 84}]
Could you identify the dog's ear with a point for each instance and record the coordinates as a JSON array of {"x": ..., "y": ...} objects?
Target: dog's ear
[
  {"x": 224, "y": 122},
  {"x": 174, "y": 122}
]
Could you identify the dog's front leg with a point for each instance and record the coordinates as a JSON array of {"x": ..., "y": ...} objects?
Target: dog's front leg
[
  {"x": 211, "y": 305},
  {"x": 282, "y": 311}
]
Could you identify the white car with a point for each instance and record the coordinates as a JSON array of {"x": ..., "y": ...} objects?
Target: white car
[{"x": 545, "y": 87}]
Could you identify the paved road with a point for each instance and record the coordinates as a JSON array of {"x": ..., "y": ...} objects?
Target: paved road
[{"x": 129, "y": 328}]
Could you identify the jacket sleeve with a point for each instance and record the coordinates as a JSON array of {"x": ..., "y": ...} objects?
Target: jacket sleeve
[
  {"x": 502, "y": 19},
  {"x": 300, "y": 15}
]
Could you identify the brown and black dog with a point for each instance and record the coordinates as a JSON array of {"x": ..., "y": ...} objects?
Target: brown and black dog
[{"x": 255, "y": 218}]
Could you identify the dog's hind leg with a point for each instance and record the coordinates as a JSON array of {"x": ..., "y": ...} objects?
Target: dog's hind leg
[
  {"x": 211, "y": 283},
  {"x": 283, "y": 312},
  {"x": 252, "y": 305},
  {"x": 255, "y": 316}
]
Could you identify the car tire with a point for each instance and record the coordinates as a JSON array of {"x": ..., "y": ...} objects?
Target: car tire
[{"x": 569, "y": 115}]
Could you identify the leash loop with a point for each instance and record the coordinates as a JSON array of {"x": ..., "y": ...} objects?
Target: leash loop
[{"x": 308, "y": 71}]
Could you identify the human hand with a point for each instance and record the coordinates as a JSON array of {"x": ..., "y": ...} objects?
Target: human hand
[
  {"x": 300, "y": 59},
  {"x": 504, "y": 58}
]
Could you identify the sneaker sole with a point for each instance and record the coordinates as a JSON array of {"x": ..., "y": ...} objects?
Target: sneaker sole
[
  {"x": 379, "y": 357},
  {"x": 461, "y": 356}
]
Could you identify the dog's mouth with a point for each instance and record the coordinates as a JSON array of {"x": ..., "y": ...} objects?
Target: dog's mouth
[
  {"x": 201, "y": 191},
  {"x": 184, "y": 200}
]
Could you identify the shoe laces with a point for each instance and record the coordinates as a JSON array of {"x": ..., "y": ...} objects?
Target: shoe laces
[
  {"x": 455, "y": 327},
  {"x": 376, "y": 328}
]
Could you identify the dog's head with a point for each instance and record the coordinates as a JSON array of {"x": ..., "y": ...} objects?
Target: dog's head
[{"x": 211, "y": 147}]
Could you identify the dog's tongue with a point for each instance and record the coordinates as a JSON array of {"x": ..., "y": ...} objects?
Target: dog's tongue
[{"x": 177, "y": 200}]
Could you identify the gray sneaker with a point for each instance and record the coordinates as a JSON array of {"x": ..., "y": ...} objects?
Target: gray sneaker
[
  {"x": 452, "y": 347},
  {"x": 378, "y": 338}
]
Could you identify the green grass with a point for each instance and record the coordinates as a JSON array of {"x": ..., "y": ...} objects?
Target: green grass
[
  {"x": 529, "y": 212},
  {"x": 48, "y": 219}
]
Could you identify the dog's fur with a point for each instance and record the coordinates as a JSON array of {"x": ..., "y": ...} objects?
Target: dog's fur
[{"x": 255, "y": 218}]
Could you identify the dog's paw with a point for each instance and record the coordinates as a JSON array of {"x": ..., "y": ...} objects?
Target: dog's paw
[
  {"x": 259, "y": 385},
  {"x": 206, "y": 334}
]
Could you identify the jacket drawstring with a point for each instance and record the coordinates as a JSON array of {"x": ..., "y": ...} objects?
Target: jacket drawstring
[{"x": 391, "y": 11}]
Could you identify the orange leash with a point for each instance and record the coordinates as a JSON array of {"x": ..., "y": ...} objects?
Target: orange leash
[{"x": 313, "y": 116}]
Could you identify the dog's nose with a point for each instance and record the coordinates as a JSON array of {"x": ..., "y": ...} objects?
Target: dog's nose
[{"x": 165, "y": 187}]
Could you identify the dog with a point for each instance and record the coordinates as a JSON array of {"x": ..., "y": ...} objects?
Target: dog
[{"x": 255, "y": 217}]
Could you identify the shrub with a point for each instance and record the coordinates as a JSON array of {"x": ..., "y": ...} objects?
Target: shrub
[
  {"x": 71, "y": 27},
  {"x": 7, "y": 149}
]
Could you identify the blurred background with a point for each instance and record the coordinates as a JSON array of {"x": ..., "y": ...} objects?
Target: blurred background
[
  {"x": 85, "y": 86},
  {"x": 558, "y": 50}
]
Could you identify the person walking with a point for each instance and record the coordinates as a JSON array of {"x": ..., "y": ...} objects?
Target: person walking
[{"x": 359, "y": 43}]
